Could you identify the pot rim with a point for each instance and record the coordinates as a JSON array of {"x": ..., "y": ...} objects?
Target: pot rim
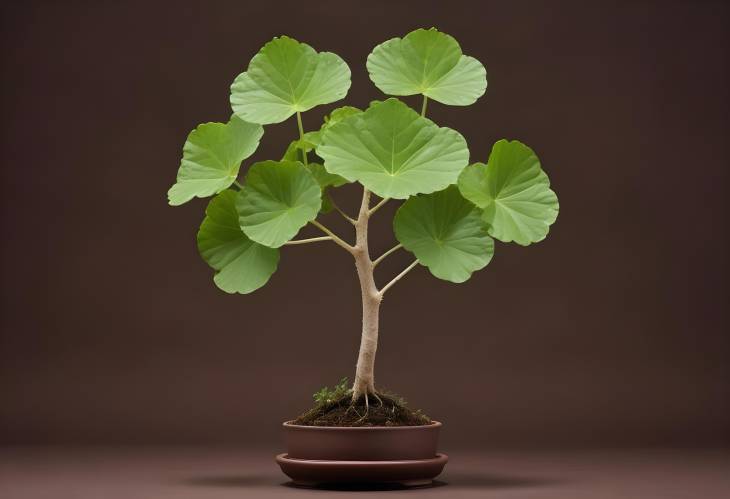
[{"x": 289, "y": 424}]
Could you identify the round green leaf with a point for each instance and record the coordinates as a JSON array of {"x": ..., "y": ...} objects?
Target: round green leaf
[
  {"x": 513, "y": 192},
  {"x": 285, "y": 77},
  {"x": 461, "y": 86},
  {"x": 393, "y": 151},
  {"x": 427, "y": 62},
  {"x": 212, "y": 156},
  {"x": 241, "y": 265},
  {"x": 446, "y": 233},
  {"x": 278, "y": 199}
]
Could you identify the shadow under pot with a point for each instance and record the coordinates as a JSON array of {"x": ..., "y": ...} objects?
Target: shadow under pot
[{"x": 399, "y": 455}]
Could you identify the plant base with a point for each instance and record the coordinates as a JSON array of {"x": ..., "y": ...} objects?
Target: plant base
[
  {"x": 387, "y": 409},
  {"x": 406, "y": 473},
  {"x": 372, "y": 455}
]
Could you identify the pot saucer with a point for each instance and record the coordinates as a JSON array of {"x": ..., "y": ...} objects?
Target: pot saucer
[{"x": 409, "y": 473}]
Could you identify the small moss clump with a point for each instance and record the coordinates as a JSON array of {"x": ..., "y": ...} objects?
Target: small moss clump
[{"x": 334, "y": 407}]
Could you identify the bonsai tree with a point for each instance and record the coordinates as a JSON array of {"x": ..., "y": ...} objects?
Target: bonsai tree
[{"x": 450, "y": 213}]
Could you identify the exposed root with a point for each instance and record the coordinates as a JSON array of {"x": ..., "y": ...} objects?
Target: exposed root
[
  {"x": 357, "y": 413},
  {"x": 389, "y": 410},
  {"x": 380, "y": 401},
  {"x": 367, "y": 409}
]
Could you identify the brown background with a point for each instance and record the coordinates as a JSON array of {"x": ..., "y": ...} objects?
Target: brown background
[{"x": 611, "y": 332}]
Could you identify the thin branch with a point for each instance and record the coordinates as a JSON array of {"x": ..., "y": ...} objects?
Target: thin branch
[
  {"x": 310, "y": 240},
  {"x": 334, "y": 237},
  {"x": 398, "y": 278},
  {"x": 378, "y": 206},
  {"x": 382, "y": 257},
  {"x": 238, "y": 184},
  {"x": 344, "y": 215}
]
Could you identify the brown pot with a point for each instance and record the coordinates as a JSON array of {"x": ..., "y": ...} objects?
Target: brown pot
[{"x": 401, "y": 454}]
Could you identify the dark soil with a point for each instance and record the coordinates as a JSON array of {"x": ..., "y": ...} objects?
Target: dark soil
[{"x": 342, "y": 412}]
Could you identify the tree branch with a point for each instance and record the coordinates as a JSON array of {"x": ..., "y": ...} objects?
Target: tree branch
[
  {"x": 378, "y": 206},
  {"x": 344, "y": 215},
  {"x": 334, "y": 237},
  {"x": 397, "y": 278},
  {"x": 382, "y": 257},
  {"x": 364, "y": 205},
  {"x": 310, "y": 240}
]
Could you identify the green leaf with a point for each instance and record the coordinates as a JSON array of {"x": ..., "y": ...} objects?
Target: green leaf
[
  {"x": 393, "y": 151},
  {"x": 427, "y": 62},
  {"x": 338, "y": 115},
  {"x": 461, "y": 86},
  {"x": 324, "y": 178},
  {"x": 241, "y": 265},
  {"x": 327, "y": 203},
  {"x": 513, "y": 192},
  {"x": 296, "y": 147},
  {"x": 311, "y": 140},
  {"x": 325, "y": 181},
  {"x": 446, "y": 233},
  {"x": 292, "y": 152},
  {"x": 285, "y": 77},
  {"x": 212, "y": 156},
  {"x": 278, "y": 199}
]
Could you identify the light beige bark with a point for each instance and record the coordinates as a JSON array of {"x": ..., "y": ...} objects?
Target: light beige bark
[
  {"x": 365, "y": 372},
  {"x": 371, "y": 297}
]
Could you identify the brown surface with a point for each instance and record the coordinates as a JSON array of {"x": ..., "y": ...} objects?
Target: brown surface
[
  {"x": 613, "y": 331},
  {"x": 362, "y": 444},
  {"x": 181, "y": 473}
]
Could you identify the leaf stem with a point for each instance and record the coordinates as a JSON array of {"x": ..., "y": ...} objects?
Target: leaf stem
[
  {"x": 378, "y": 206},
  {"x": 310, "y": 240},
  {"x": 301, "y": 136},
  {"x": 424, "y": 105},
  {"x": 382, "y": 257},
  {"x": 238, "y": 184},
  {"x": 334, "y": 237},
  {"x": 398, "y": 278}
]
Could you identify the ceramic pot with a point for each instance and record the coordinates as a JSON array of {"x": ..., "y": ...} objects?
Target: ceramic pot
[{"x": 406, "y": 455}]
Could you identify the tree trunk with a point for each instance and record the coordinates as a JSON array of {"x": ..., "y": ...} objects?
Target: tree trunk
[{"x": 365, "y": 373}]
